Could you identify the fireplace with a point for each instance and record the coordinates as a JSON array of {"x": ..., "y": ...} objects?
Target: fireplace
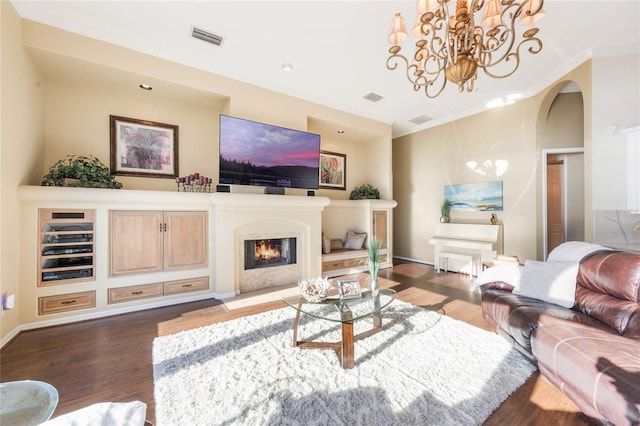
[
  {"x": 266, "y": 253},
  {"x": 269, "y": 258}
]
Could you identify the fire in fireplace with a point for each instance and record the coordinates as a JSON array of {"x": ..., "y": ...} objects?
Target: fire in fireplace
[{"x": 265, "y": 253}]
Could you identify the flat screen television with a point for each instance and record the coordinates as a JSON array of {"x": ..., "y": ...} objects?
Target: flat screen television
[{"x": 260, "y": 154}]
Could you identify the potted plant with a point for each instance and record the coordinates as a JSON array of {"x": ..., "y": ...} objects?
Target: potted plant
[
  {"x": 373, "y": 248},
  {"x": 364, "y": 192},
  {"x": 82, "y": 171},
  {"x": 445, "y": 207}
]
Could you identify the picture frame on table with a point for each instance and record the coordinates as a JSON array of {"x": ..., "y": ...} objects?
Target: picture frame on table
[
  {"x": 333, "y": 170},
  {"x": 143, "y": 148},
  {"x": 349, "y": 289}
]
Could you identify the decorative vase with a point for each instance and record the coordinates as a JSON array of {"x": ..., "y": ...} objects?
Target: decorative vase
[
  {"x": 444, "y": 219},
  {"x": 494, "y": 219},
  {"x": 373, "y": 286}
]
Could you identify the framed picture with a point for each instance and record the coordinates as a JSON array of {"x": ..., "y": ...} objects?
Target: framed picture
[
  {"x": 333, "y": 170},
  {"x": 349, "y": 288},
  {"x": 479, "y": 197},
  {"x": 143, "y": 148}
]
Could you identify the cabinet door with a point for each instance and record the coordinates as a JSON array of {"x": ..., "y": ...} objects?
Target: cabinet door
[
  {"x": 136, "y": 242},
  {"x": 185, "y": 240},
  {"x": 380, "y": 226}
]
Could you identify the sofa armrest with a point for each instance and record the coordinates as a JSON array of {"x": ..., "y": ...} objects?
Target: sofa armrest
[{"x": 496, "y": 285}]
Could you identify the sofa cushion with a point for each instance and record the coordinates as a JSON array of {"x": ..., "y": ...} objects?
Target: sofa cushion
[
  {"x": 597, "y": 369},
  {"x": 609, "y": 289},
  {"x": 553, "y": 282},
  {"x": 520, "y": 316},
  {"x": 572, "y": 251}
]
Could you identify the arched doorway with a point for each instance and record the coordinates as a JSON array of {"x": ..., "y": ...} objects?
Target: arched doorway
[{"x": 563, "y": 189}]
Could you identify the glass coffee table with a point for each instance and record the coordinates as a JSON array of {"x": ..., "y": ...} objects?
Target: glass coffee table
[
  {"x": 344, "y": 311},
  {"x": 27, "y": 402}
]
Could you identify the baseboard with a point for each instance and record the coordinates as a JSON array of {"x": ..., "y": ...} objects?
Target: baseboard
[
  {"x": 408, "y": 259},
  {"x": 10, "y": 336},
  {"x": 112, "y": 312}
]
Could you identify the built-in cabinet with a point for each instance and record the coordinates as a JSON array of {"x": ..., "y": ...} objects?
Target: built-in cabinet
[
  {"x": 145, "y": 291},
  {"x": 65, "y": 246},
  {"x": 128, "y": 250},
  {"x": 371, "y": 216},
  {"x": 144, "y": 242}
]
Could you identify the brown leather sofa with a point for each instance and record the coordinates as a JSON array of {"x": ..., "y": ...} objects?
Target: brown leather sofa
[{"x": 591, "y": 352}]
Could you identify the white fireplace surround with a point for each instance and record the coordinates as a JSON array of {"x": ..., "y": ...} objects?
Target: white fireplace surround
[
  {"x": 273, "y": 276},
  {"x": 253, "y": 216}
]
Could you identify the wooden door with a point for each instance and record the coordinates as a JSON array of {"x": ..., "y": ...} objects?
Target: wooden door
[
  {"x": 555, "y": 208},
  {"x": 380, "y": 226},
  {"x": 185, "y": 240},
  {"x": 136, "y": 242}
]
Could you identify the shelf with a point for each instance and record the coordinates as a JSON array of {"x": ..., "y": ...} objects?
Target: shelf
[{"x": 66, "y": 246}]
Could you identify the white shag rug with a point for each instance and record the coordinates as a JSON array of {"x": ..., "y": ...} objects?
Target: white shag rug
[{"x": 422, "y": 369}]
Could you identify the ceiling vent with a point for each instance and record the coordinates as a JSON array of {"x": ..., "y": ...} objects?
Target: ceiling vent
[
  {"x": 206, "y": 36},
  {"x": 373, "y": 97},
  {"x": 420, "y": 119}
]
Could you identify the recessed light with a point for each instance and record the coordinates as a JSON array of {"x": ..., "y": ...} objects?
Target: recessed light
[
  {"x": 341, "y": 131},
  {"x": 287, "y": 67},
  {"x": 145, "y": 87}
]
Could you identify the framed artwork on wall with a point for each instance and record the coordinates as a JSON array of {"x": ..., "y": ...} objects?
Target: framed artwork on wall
[
  {"x": 333, "y": 170},
  {"x": 479, "y": 197},
  {"x": 143, "y": 148}
]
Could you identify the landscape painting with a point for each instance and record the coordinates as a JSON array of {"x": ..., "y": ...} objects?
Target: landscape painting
[{"x": 482, "y": 196}]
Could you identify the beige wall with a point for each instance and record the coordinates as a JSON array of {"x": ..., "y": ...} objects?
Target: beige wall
[
  {"x": 427, "y": 161},
  {"x": 21, "y": 148},
  {"x": 58, "y": 90},
  {"x": 86, "y": 82}
]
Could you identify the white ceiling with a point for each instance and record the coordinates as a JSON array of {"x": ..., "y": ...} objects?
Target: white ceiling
[{"x": 338, "y": 49}]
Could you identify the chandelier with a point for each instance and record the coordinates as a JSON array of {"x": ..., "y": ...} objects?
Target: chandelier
[{"x": 451, "y": 47}]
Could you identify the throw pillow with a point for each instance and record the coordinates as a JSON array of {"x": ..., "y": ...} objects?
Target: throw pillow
[
  {"x": 509, "y": 274},
  {"x": 572, "y": 251},
  {"x": 553, "y": 282},
  {"x": 337, "y": 244},
  {"x": 355, "y": 241},
  {"x": 326, "y": 244}
]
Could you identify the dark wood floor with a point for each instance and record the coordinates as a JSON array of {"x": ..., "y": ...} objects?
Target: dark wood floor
[{"x": 110, "y": 359}]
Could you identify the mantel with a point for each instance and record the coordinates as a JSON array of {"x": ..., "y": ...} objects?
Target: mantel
[
  {"x": 224, "y": 201},
  {"x": 57, "y": 194}
]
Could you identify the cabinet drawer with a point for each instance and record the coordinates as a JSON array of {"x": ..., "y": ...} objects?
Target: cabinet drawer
[
  {"x": 134, "y": 292},
  {"x": 185, "y": 286},
  {"x": 66, "y": 302},
  {"x": 334, "y": 265}
]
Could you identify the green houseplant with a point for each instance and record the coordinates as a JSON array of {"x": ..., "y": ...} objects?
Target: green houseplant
[
  {"x": 364, "y": 192},
  {"x": 84, "y": 171},
  {"x": 445, "y": 208},
  {"x": 373, "y": 249}
]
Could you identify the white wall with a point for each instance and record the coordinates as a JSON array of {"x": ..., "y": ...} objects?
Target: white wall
[{"x": 616, "y": 106}]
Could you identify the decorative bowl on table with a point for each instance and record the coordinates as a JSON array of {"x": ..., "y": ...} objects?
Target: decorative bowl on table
[{"x": 314, "y": 290}]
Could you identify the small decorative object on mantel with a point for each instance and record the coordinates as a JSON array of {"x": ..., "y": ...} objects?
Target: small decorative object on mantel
[
  {"x": 194, "y": 183},
  {"x": 364, "y": 192},
  {"x": 84, "y": 171},
  {"x": 494, "y": 219},
  {"x": 314, "y": 290},
  {"x": 373, "y": 248},
  {"x": 445, "y": 208}
]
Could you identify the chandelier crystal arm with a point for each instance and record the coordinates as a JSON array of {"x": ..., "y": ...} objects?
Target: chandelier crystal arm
[{"x": 451, "y": 47}]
